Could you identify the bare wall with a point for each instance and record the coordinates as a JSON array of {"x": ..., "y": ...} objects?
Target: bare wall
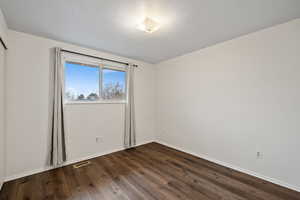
[
  {"x": 232, "y": 100},
  {"x": 3, "y": 29},
  {"x": 27, "y": 109}
]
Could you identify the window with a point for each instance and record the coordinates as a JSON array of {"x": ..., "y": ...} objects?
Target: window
[
  {"x": 113, "y": 84},
  {"x": 81, "y": 82},
  {"x": 95, "y": 82}
]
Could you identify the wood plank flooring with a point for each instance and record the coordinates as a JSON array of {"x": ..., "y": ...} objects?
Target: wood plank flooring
[{"x": 150, "y": 171}]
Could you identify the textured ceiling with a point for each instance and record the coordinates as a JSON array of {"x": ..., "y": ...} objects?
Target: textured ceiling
[{"x": 109, "y": 25}]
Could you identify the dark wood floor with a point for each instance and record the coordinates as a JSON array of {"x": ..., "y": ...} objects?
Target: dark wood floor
[{"x": 151, "y": 171}]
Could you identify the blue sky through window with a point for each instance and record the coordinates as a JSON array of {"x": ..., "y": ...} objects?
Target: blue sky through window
[
  {"x": 113, "y": 77},
  {"x": 81, "y": 79},
  {"x": 84, "y": 79}
]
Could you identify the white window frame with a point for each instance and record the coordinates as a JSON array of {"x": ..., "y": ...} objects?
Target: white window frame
[{"x": 66, "y": 57}]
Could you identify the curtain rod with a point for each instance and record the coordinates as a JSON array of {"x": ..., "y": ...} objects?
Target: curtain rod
[
  {"x": 3, "y": 44},
  {"x": 82, "y": 54}
]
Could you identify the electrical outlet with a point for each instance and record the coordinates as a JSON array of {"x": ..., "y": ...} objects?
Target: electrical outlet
[
  {"x": 259, "y": 155},
  {"x": 99, "y": 139}
]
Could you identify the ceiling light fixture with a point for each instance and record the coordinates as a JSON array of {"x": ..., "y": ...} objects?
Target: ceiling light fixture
[{"x": 148, "y": 25}]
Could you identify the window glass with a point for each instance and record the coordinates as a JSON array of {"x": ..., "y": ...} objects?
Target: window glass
[
  {"x": 81, "y": 82},
  {"x": 113, "y": 85}
]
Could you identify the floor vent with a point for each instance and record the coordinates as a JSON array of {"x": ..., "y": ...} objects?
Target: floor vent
[{"x": 82, "y": 164}]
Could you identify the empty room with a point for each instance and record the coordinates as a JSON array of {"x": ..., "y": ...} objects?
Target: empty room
[{"x": 149, "y": 100}]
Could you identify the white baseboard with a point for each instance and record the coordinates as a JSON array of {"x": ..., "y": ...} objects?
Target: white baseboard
[
  {"x": 252, "y": 173},
  {"x": 46, "y": 168},
  {"x": 272, "y": 180},
  {"x": 27, "y": 173}
]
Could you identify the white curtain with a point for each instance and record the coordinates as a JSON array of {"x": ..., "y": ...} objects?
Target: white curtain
[
  {"x": 57, "y": 129},
  {"x": 130, "y": 135}
]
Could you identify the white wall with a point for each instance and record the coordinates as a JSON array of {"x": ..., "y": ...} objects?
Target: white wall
[
  {"x": 231, "y": 100},
  {"x": 2, "y": 114},
  {"x": 27, "y": 109},
  {"x": 3, "y": 34},
  {"x": 3, "y": 28}
]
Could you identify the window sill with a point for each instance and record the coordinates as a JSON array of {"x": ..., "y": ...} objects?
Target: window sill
[{"x": 94, "y": 102}]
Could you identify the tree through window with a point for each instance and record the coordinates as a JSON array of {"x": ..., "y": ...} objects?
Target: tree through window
[
  {"x": 87, "y": 83},
  {"x": 113, "y": 84}
]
